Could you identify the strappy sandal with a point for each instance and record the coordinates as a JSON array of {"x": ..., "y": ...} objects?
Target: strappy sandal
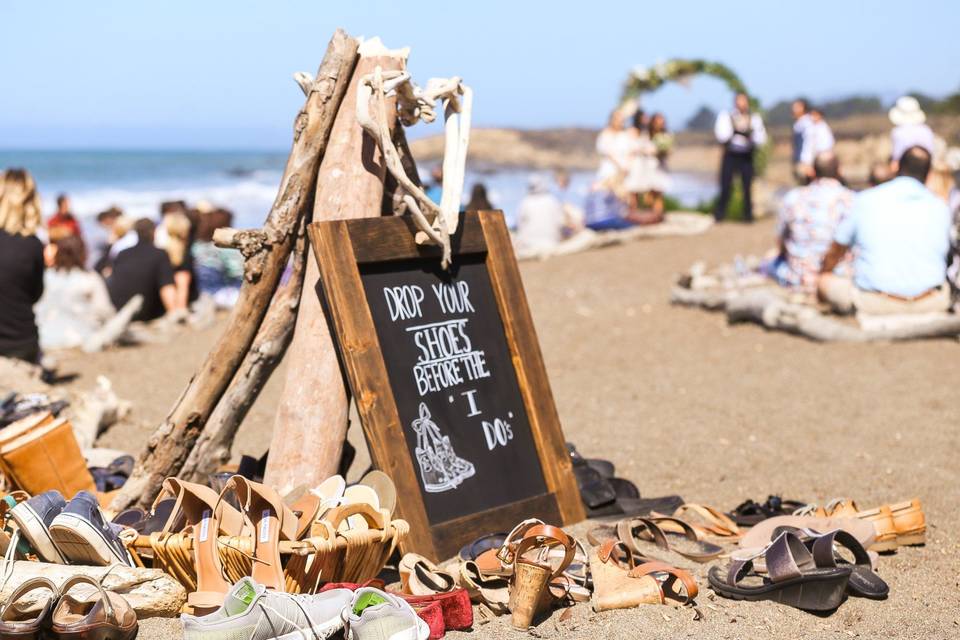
[
  {"x": 864, "y": 582},
  {"x": 499, "y": 562},
  {"x": 793, "y": 578},
  {"x": 533, "y": 571},
  {"x": 616, "y": 586},
  {"x": 109, "y": 618},
  {"x": 494, "y": 592},
  {"x": 24, "y": 622},
  {"x": 705, "y": 520},
  {"x": 896, "y": 525},
  {"x": 645, "y": 538},
  {"x": 270, "y": 521},
  {"x": 202, "y": 510}
]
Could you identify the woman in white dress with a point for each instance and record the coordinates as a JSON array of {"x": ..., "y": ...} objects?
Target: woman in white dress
[
  {"x": 643, "y": 161},
  {"x": 614, "y": 146}
]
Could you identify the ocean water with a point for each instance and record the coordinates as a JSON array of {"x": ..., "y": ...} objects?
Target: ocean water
[{"x": 242, "y": 181}]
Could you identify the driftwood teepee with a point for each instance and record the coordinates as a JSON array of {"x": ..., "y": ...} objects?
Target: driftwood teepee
[{"x": 334, "y": 170}]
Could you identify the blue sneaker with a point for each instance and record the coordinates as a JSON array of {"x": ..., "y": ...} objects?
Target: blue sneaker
[
  {"x": 34, "y": 517},
  {"x": 83, "y": 535}
]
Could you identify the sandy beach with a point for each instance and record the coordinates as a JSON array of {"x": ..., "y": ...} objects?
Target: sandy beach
[{"x": 683, "y": 403}]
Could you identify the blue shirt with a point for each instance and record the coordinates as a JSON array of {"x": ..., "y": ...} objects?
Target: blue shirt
[{"x": 900, "y": 234}]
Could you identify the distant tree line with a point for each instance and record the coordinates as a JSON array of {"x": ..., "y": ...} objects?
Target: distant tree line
[{"x": 780, "y": 113}]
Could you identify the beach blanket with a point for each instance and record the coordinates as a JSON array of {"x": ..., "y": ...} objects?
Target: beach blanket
[{"x": 675, "y": 223}]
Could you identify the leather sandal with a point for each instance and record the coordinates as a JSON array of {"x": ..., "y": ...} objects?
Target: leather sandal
[
  {"x": 109, "y": 618},
  {"x": 763, "y": 533},
  {"x": 25, "y": 622},
  {"x": 420, "y": 577},
  {"x": 533, "y": 570},
  {"x": 901, "y": 524},
  {"x": 793, "y": 578},
  {"x": 643, "y": 535},
  {"x": 492, "y": 591},
  {"x": 270, "y": 521},
  {"x": 864, "y": 582},
  {"x": 704, "y": 519},
  {"x": 499, "y": 562},
  {"x": 616, "y": 586},
  {"x": 750, "y": 513}
]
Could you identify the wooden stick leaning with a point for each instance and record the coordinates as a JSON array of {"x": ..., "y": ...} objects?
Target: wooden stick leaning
[
  {"x": 266, "y": 256},
  {"x": 311, "y": 422},
  {"x": 212, "y": 449}
]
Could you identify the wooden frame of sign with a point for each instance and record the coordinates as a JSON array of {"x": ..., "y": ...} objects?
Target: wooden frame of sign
[{"x": 448, "y": 377}]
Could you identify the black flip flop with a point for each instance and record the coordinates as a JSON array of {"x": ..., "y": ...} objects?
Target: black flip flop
[{"x": 750, "y": 513}]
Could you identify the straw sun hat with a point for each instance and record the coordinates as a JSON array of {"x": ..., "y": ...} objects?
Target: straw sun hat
[{"x": 907, "y": 111}]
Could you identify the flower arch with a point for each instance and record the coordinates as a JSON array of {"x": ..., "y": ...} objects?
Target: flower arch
[{"x": 644, "y": 80}]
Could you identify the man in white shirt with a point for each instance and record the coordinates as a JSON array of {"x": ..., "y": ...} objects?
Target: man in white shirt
[
  {"x": 740, "y": 132},
  {"x": 817, "y": 139},
  {"x": 910, "y": 128}
]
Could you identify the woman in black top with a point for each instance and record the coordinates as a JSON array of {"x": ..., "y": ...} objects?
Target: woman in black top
[{"x": 21, "y": 265}]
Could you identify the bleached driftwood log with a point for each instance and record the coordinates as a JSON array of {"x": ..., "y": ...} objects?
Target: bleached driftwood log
[
  {"x": 213, "y": 447},
  {"x": 311, "y": 422},
  {"x": 151, "y": 592},
  {"x": 765, "y": 307},
  {"x": 171, "y": 443}
]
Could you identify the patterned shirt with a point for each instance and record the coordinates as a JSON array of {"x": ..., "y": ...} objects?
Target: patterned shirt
[{"x": 808, "y": 217}]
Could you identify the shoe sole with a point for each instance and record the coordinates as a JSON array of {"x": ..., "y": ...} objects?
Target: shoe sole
[
  {"x": 36, "y": 533},
  {"x": 912, "y": 539},
  {"x": 82, "y": 543},
  {"x": 321, "y": 632}
]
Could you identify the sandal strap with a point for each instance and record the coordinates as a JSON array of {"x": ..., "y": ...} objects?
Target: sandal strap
[
  {"x": 606, "y": 552},
  {"x": 79, "y": 578},
  {"x": 626, "y": 531},
  {"x": 718, "y": 523},
  {"x": 688, "y": 532},
  {"x": 690, "y": 588},
  {"x": 544, "y": 536}
]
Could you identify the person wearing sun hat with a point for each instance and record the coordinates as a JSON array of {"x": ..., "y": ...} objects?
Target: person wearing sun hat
[{"x": 910, "y": 128}]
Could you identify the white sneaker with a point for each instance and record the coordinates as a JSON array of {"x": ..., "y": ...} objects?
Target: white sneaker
[
  {"x": 377, "y": 615},
  {"x": 252, "y": 612}
]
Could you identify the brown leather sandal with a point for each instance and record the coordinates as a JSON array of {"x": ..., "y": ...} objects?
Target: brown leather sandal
[
  {"x": 109, "y": 618},
  {"x": 616, "y": 586},
  {"x": 533, "y": 571},
  {"x": 643, "y": 535}
]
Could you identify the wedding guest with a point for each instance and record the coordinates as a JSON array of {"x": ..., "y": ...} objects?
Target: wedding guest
[
  {"x": 641, "y": 163},
  {"x": 21, "y": 265},
  {"x": 63, "y": 220},
  {"x": 899, "y": 235},
  {"x": 219, "y": 270},
  {"x": 614, "y": 146},
  {"x": 540, "y": 218},
  {"x": 573, "y": 213},
  {"x": 143, "y": 269},
  {"x": 801, "y": 120},
  {"x": 75, "y": 302},
  {"x": 178, "y": 243},
  {"x": 434, "y": 188},
  {"x": 910, "y": 128},
  {"x": 478, "y": 198},
  {"x": 106, "y": 221},
  {"x": 740, "y": 131},
  {"x": 817, "y": 139},
  {"x": 806, "y": 224}
]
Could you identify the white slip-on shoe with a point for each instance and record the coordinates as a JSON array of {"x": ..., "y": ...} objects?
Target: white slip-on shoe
[
  {"x": 253, "y": 612},
  {"x": 377, "y": 615}
]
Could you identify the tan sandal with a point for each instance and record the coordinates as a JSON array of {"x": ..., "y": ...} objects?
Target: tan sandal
[
  {"x": 492, "y": 591},
  {"x": 896, "y": 525},
  {"x": 270, "y": 521},
  {"x": 623, "y": 587},
  {"x": 109, "y": 617},
  {"x": 420, "y": 577},
  {"x": 704, "y": 519}
]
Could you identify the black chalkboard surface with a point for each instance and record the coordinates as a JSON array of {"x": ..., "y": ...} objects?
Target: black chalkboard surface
[
  {"x": 448, "y": 378},
  {"x": 456, "y": 391}
]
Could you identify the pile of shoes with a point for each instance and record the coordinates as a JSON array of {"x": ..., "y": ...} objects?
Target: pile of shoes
[
  {"x": 49, "y": 529},
  {"x": 210, "y": 540}
]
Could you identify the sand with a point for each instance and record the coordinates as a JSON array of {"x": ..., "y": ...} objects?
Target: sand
[{"x": 684, "y": 404}]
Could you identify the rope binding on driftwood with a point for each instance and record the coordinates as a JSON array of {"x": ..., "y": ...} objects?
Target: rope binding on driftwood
[{"x": 415, "y": 104}]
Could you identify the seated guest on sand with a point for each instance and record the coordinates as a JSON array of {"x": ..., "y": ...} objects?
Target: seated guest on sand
[
  {"x": 143, "y": 269},
  {"x": 478, "y": 199},
  {"x": 177, "y": 244},
  {"x": 75, "y": 302},
  {"x": 573, "y": 214},
  {"x": 106, "y": 220},
  {"x": 808, "y": 219},
  {"x": 899, "y": 233},
  {"x": 21, "y": 265},
  {"x": 219, "y": 270},
  {"x": 64, "y": 219},
  {"x": 540, "y": 218}
]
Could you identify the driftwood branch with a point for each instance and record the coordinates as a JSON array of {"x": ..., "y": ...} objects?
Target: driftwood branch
[
  {"x": 311, "y": 423},
  {"x": 169, "y": 446},
  {"x": 213, "y": 447}
]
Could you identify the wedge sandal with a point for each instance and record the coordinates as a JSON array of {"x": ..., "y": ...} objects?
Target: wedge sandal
[
  {"x": 825, "y": 547},
  {"x": 619, "y": 583},
  {"x": 793, "y": 578}
]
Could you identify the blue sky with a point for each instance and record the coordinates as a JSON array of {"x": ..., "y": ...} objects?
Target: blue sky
[{"x": 217, "y": 74}]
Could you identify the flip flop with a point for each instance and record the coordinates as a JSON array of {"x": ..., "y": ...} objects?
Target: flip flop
[
  {"x": 705, "y": 520},
  {"x": 420, "y": 577},
  {"x": 642, "y": 535},
  {"x": 793, "y": 578},
  {"x": 750, "y": 513}
]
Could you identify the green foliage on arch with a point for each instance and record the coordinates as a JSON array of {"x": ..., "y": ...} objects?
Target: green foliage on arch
[{"x": 644, "y": 80}]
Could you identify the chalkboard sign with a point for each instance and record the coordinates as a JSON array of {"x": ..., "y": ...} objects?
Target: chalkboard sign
[{"x": 448, "y": 376}]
